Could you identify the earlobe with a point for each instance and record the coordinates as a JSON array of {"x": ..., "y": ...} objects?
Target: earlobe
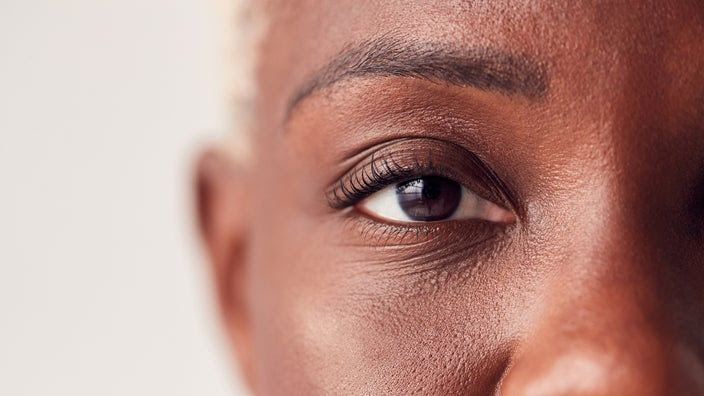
[{"x": 221, "y": 205}]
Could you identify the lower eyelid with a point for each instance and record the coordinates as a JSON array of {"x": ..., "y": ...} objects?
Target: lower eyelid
[
  {"x": 380, "y": 233},
  {"x": 418, "y": 247}
]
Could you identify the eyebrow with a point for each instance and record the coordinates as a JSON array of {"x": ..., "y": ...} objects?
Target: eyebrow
[{"x": 482, "y": 68}]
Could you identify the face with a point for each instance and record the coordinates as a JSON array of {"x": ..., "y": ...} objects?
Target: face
[{"x": 468, "y": 197}]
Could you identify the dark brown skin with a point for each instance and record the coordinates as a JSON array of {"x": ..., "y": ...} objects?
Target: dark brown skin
[{"x": 593, "y": 283}]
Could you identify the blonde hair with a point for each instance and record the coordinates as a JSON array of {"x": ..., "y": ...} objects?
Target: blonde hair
[{"x": 241, "y": 25}]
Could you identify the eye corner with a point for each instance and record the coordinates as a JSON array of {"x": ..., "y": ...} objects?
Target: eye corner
[{"x": 372, "y": 186}]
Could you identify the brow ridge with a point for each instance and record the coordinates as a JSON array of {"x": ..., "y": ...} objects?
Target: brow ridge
[{"x": 483, "y": 68}]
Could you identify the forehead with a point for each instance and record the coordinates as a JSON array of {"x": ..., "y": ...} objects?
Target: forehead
[{"x": 649, "y": 48}]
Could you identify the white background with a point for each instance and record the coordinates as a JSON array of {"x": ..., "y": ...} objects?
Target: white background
[{"x": 103, "y": 287}]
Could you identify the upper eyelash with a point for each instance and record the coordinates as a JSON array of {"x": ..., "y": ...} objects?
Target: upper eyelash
[
  {"x": 412, "y": 158},
  {"x": 359, "y": 184}
]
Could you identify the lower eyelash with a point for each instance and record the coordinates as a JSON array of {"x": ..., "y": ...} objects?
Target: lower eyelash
[
  {"x": 386, "y": 234},
  {"x": 417, "y": 249}
]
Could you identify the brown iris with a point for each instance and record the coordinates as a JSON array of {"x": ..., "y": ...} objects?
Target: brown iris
[{"x": 429, "y": 198}]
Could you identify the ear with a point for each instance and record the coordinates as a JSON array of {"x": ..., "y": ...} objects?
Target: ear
[{"x": 222, "y": 209}]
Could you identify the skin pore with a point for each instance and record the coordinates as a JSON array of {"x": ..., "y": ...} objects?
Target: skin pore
[{"x": 468, "y": 197}]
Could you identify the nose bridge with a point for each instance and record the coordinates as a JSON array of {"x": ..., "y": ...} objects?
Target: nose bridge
[
  {"x": 602, "y": 326},
  {"x": 601, "y": 340},
  {"x": 602, "y": 321},
  {"x": 611, "y": 274},
  {"x": 609, "y": 311},
  {"x": 612, "y": 280}
]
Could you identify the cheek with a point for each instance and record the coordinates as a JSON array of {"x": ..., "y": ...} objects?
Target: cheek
[{"x": 328, "y": 317}]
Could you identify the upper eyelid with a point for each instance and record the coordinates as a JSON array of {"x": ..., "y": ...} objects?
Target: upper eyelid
[
  {"x": 358, "y": 184},
  {"x": 414, "y": 157}
]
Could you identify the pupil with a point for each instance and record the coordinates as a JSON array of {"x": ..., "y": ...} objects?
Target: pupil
[{"x": 429, "y": 198}]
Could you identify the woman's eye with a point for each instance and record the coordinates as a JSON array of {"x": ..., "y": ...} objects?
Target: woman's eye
[{"x": 431, "y": 198}]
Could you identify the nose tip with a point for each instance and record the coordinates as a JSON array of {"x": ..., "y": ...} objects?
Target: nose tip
[
  {"x": 568, "y": 373},
  {"x": 579, "y": 368}
]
